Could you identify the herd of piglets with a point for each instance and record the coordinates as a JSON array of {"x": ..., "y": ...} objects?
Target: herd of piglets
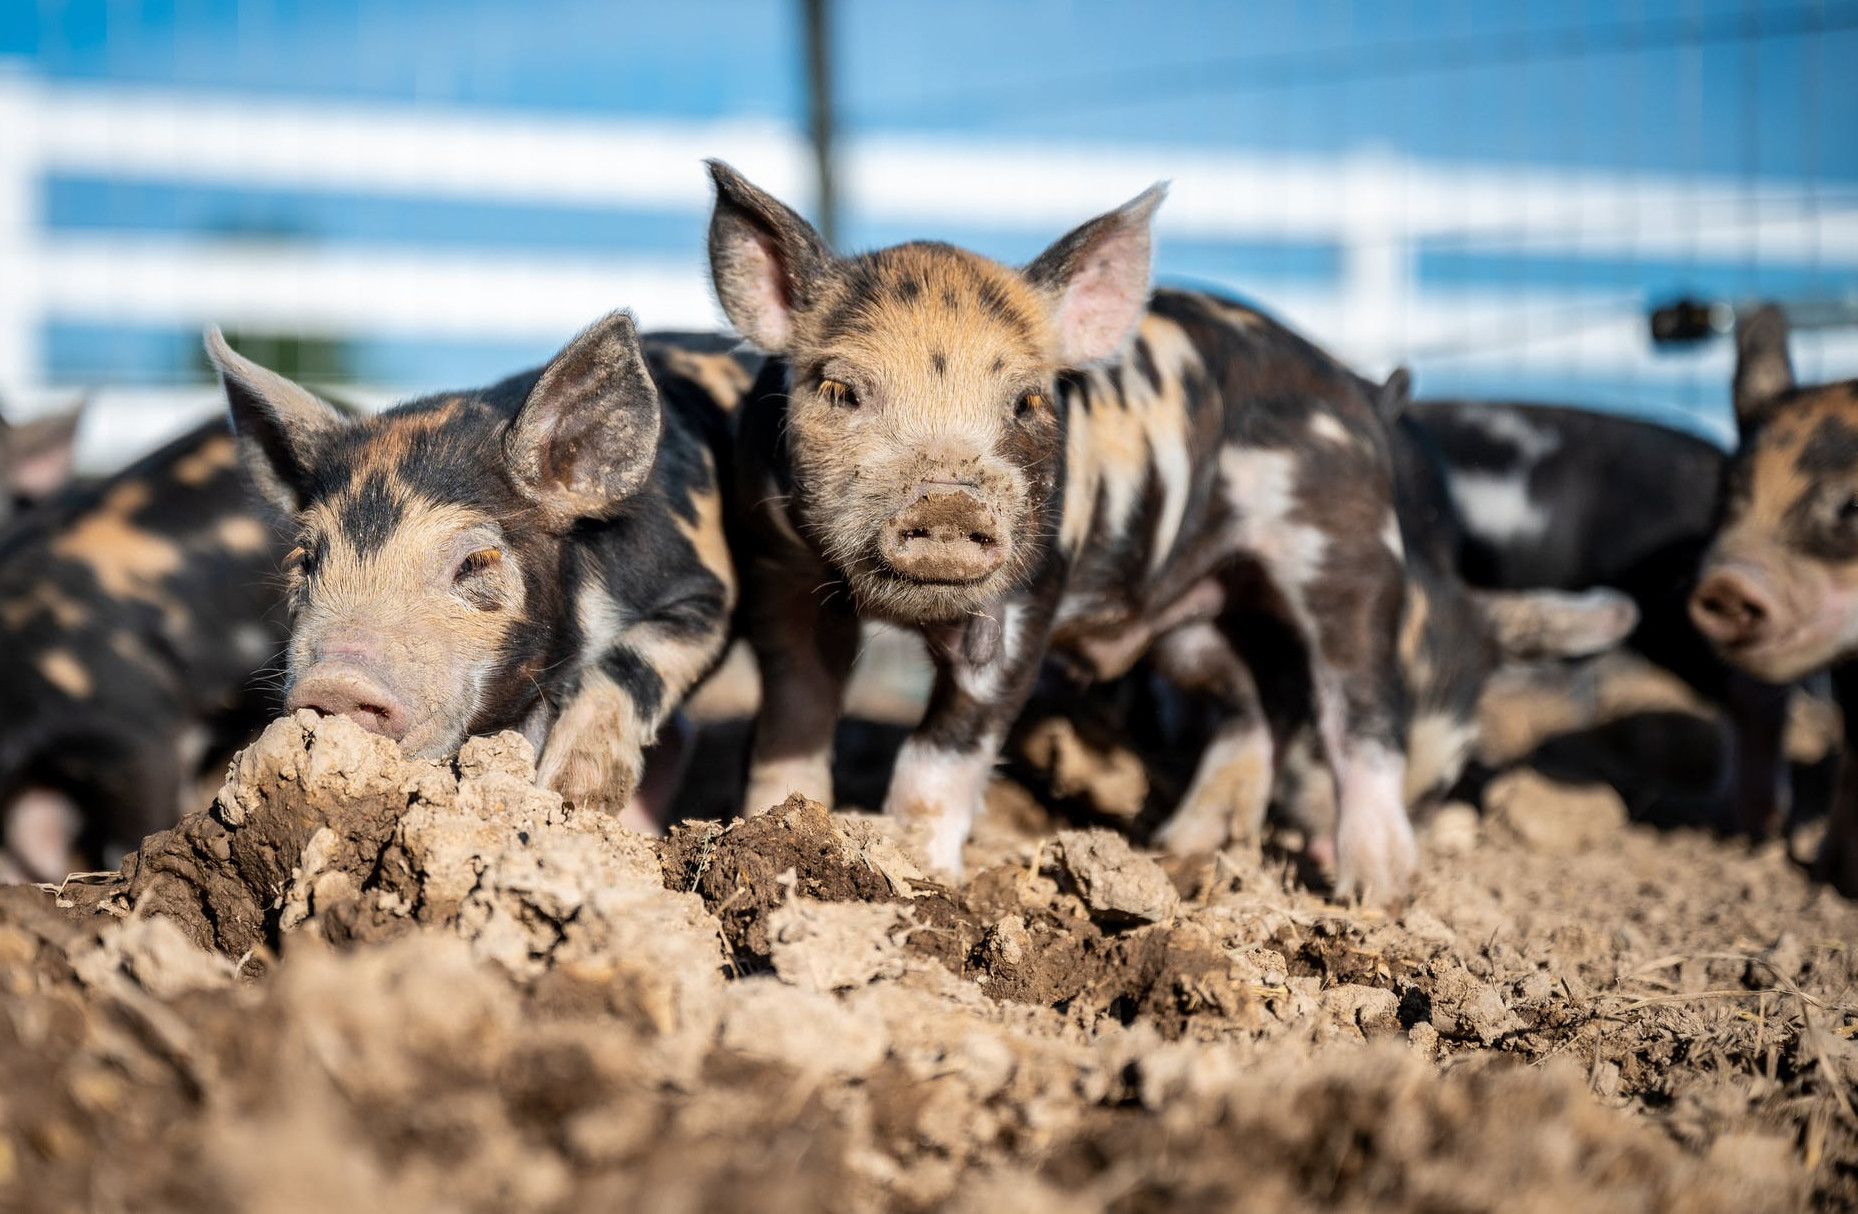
[{"x": 1057, "y": 476}]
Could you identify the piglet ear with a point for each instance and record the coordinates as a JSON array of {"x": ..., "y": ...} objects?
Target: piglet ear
[
  {"x": 36, "y": 456},
  {"x": 768, "y": 264},
  {"x": 1762, "y": 369},
  {"x": 586, "y": 438},
  {"x": 1098, "y": 277},
  {"x": 1392, "y": 397},
  {"x": 276, "y": 421}
]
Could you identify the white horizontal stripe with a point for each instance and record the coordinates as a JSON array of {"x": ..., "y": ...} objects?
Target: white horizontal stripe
[
  {"x": 419, "y": 151},
  {"x": 349, "y": 292}
]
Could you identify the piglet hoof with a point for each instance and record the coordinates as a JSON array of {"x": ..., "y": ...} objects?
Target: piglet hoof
[
  {"x": 772, "y": 781},
  {"x": 937, "y": 846},
  {"x": 1375, "y": 858},
  {"x": 1194, "y": 830},
  {"x": 592, "y": 782}
]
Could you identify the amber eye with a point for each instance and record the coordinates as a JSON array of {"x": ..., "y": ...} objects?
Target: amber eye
[
  {"x": 838, "y": 393},
  {"x": 1028, "y": 404},
  {"x": 477, "y": 564}
]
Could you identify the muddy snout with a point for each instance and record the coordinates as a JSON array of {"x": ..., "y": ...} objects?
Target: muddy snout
[
  {"x": 340, "y": 689},
  {"x": 1732, "y": 608},
  {"x": 947, "y": 534}
]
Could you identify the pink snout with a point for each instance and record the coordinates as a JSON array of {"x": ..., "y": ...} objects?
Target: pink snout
[
  {"x": 946, "y": 535},
  {"x": 1731, "y": 608},
  {"x": 347, "y": 691}
]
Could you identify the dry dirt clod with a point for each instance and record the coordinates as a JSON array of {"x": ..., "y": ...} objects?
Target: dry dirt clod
[
  {"x": 1554, "y": 818},
  {"x": 1117, "y": 884},
  {"x": 374, "y": 982}
]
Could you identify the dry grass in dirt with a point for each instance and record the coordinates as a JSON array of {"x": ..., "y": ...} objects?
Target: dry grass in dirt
[{"x": 360, "y": 982}]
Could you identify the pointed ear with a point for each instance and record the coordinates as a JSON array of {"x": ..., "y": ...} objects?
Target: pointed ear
[
  {"x": 768, "y": 264},
  {"x": 586, "y": 438},
  {"x": 1392, "y": 398},
  {"x": 276, "y": 421},
  {"x": 37, "y": 455},
  {"x": 1097, "y": 279},
  {"x": 1762, "y": 368}
]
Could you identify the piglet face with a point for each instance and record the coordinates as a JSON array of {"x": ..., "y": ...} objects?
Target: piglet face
[
  {"x": 401, "y": 635},
  {"x": 922, "y": 426},
  {"x": 1778, "y": 592},
  {"x": 425, "y": 586}
]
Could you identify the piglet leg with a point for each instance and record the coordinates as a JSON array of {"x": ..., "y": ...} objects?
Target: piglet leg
[
  {"x": 1231, "y": 788},
  {"x": 804, "y": 649},
  {"x": 1361, "y": 715},
  {"x": 985, "y": 669},
  {"x": 1837, "y": 864}
]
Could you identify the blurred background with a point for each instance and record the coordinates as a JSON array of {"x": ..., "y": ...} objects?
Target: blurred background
[{"x": 386, "y": 198}]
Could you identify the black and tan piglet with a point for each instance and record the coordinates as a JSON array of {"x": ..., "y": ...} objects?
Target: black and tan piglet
[
  {"x": 1566, "y": 498},
  {"x": 1453, "y": 639},
  {"x": 137, "y": 618},
  {"x": 546, "y": 554},
  {"x": 1045, "y": 459},
  {"x": 1778, "y": 592}
]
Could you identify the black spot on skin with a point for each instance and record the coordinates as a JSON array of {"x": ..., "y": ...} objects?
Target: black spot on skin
[
  {"x": 999, "y": 365},
  {"x": 851, "y": 315},
  {"x": 909, "y": 288},
  {"x": 370, "y": 515},
  {"x": 1830, "y": 450},
  {"x": 636, "y": 678},
  {"x": 1145, "y": 363},
  {"x": 938, "y": 362},
  {"x": 950, "y": 299},
  {"x": 998, "y": 307},
  {"x": 994, "y": 302}
]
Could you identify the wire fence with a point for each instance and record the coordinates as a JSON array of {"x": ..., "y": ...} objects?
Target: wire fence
[{"x": 1496, "y": 198}]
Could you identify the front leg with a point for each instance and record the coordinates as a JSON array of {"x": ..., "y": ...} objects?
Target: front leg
[
  {"x": 1759, "y": 786},
  {"x": 1232, "y": 782},
  {"x": 595, "y": 755},
  {"x": 1837, "y": 862},
  {"x": 1353, "y": 614},
  {"x": 805, "y": 637},
  {"x": 595, "y": 752},
  {"x": 985, "y": 670}
]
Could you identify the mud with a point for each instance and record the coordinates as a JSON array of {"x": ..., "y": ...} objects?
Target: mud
[{"x": 362, "y": 982}]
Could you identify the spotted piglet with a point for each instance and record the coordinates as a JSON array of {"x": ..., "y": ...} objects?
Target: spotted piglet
[
  {"x": 1778, "y": 594},
  {"x": 137, "y": 618},
  {"x": 546, "y": 554},
  {"x": 1016, "y": 461}
]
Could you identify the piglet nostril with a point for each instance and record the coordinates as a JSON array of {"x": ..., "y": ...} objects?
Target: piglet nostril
[
  {"x": 946, "y": 534},
  {"x": 353, "y": 694},
  {"x": 1730, "y": 609}
]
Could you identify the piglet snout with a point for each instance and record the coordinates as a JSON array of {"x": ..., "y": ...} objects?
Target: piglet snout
[
  {"x": 946, "y": 535},
  {"x": 348, "y": 692},
  {"x": 1731, "y": 608}
]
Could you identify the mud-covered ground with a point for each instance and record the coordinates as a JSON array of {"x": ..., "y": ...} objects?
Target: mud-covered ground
[{"x": 358, "y": 982}]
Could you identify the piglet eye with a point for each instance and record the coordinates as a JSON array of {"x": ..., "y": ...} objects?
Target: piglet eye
[
  {"x": 1848, "y": 509},
  {"x": 838, "y": 393},
  {"x": 477, "y": 564},
  {"x": 1029, "y": 404}
]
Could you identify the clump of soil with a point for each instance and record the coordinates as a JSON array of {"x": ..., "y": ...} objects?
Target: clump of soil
[{"x": 364, "y": 981}]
